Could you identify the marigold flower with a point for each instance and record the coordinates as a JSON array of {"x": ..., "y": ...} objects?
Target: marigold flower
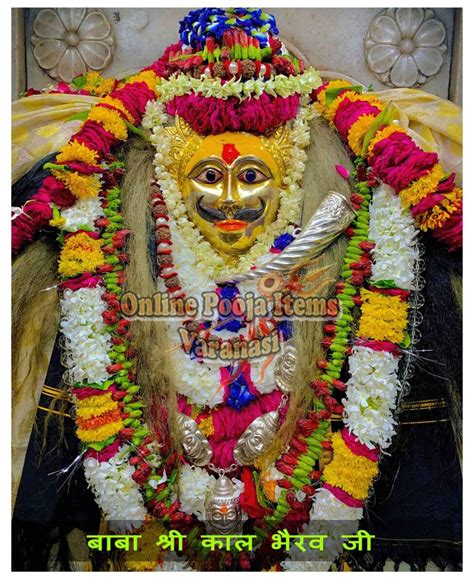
[
  {"x": 100, "y": 433},
  {"x": 95, "y": 406},
  {"x": 80, "y": 185},
  {"x": 114, "y": 102},
  {"x": 110, "y": 121},
  {"x": 331, "y": 85},
  {"x": 358, "y": 131},
  {"x": 417, "y": 190},
  {"x": 78, "y": 152},
  {"x": 352, "y": 473},
  {"x": 439, "y": 214},
  {"x": 381, "y": 134},
  {"x": 100, "y": 420},
  {"x": 352, "y": 96},
  {"x": 98, "y": 85},
  {"x": 79, "y": 254},
  {"x": 207, "y": 426},
  {"x": 383, "y": 317},
  {"x": 149, "y": 77}
]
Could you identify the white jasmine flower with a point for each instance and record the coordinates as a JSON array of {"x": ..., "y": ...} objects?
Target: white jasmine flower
[
  {"x": 116, "y": 492},
  {"x": 86, "y": 342}
]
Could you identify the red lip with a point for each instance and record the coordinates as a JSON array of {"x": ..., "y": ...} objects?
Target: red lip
[{"x": 231, "y": 225}]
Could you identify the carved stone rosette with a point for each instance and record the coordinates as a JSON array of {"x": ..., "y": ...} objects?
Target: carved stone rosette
[
  {"x": 405, "y": 47},
  {"x": 68, "y": 42}
]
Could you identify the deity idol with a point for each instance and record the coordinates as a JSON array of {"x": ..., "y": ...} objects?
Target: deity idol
[{"x": 237, "y": 185}]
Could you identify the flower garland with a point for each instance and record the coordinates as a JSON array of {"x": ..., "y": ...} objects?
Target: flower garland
[
  {"x": 211, "y": 264},
  {"x": 394, "y": 158},
  {"x": 276, "y": 86},
  {"x": 77, "y": 171}
]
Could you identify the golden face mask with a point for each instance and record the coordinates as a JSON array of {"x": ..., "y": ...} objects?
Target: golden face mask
[{"x": 230, "y": 184}]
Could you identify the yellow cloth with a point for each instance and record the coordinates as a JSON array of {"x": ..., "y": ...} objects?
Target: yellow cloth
[
  {"x": 434, "y": 123},
  {"x": 40, "y": 126}
]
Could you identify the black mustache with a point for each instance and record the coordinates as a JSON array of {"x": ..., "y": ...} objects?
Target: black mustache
[{"x": 215, "y": 215}]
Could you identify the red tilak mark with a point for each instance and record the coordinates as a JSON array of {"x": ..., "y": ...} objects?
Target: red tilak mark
[{"x": 229, "y": 153}]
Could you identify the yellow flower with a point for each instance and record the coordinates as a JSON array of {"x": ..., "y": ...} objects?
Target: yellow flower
[
  {"x": 77, "y": 152},
  {"x": 439, "y": 214},
  {"x": 148, "y": 554},
  {"x": 358, "y": 131},
  {"x": 110, "y": 120},
  {"x": 95, "y": 406},
  {"x": 352, "y": 473},
  {"x": 80, "y": 253},
  {"x": 148, "y": 77},
  {"x": 207, "y": 426},
  {"x": 382, "y": 134},
  {"x": 98, "y": 85},
  {"x": 59, "y": 222},
  {"x": 80, "y": 185},
  {"x": 331, "y": 85},
  {"x": 427, "y": 184},
  {"x": 352, "y": 96},
  {"x": 99, "y": 433},
  {"x": 114, "y": 102},
  {"x": 383, "y": 317}
]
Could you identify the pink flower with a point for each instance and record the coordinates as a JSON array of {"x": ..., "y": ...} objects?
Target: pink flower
[
  {"x": 343, "y": 171},
  {"x": 398, "y": 161},
  {"x": 349, "y": 112},
  {"x": 85, "y": 280},
  {"x": 134, "y": 97},
  {"x": 95, "y": 137},
  {"x": 450, "y": 233},
  {"x": 209, "y": 115}
]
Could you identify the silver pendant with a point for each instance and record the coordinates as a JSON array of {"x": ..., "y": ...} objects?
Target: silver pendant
[
  {"x": 223, "y": 512},
  {"x": 195, "y": 445},
  {"x": 284, "y": 372},
  {"x": 256, "y": 438}
]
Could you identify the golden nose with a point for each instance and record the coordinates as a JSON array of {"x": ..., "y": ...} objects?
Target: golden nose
[{"x": 229, "y": 208}]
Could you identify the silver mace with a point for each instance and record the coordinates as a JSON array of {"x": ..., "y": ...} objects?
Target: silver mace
[{"x": 333, "y": 216}]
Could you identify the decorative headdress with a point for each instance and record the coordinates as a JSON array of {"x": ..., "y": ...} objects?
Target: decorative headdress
[{"x": 230, "y": 72}]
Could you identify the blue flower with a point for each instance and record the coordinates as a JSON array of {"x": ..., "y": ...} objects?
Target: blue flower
[
  {"x": 239, "y": 394},
  {"x": 229, "y": 292},
  {"x": 199, "y": 24},
  {"x": 282, "y": 241},
  {"x": 285, "y": 328}
]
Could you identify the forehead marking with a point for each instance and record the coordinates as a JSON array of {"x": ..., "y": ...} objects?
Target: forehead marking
[{"x": 229, "y": 153}]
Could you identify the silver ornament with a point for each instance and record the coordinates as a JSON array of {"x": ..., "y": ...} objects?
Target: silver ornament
[
  {"x": 223, "y": 512},
  {"x": 256, "y": 438},
  {"x": 333, "y": 216},
  {"x": 195, "y": 445},
  {"x": 285, "y": 368}
]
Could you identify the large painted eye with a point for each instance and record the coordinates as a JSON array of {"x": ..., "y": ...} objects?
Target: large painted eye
[
  {"x": 252, "y": 176},
  {"x": 209, "y": 176}
]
